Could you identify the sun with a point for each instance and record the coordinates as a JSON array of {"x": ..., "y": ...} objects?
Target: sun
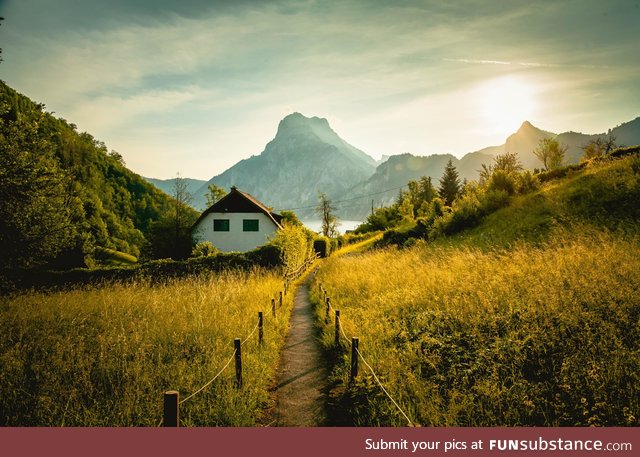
[{"x": 505, "y": 103}]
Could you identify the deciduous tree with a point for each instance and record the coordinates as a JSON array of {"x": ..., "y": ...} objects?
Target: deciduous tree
[
  {"x": 326, "y": 211},
  {"x": 550, "y": 152},
  {"x": 214, "y": 194}
]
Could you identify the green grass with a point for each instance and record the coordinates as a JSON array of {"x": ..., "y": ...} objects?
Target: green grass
[
  {"x": 605, "y": 194},
  {"x": 531, "y": 318},
  {"x": 111, "y": 257},
  {"x": 531, "y": 335},
  {"x": 104, "y": 356}
]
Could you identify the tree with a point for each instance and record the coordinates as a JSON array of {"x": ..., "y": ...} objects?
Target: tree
[
  {"x": 326, "y": 211},
  {"x": 550, "y": 152},
  {"x": 290, "y": 218},
  {"x": 406, "y": 210},
  {"x": 507, "y": 162},
  {"x": 599, "y": 147},
  {"x": 1, "y": 19},
  {"x": 37, "y": 205},
  {"x": 170, "y": 236},
  {"x": 449, "y": 184},
  {"x": 214, "y": 194}
]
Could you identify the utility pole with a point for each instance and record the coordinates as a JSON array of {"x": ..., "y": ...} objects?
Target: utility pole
[{"x": 372, "y": 207}]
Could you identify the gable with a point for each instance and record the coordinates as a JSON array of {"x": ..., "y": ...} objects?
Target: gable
[{"x": 239, "y": 202}]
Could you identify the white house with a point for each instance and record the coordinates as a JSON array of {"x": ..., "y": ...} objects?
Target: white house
[{"x": 236, "y": 222}]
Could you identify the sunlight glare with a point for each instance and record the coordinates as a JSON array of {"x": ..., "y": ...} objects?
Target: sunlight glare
[{"x": 505, "y": 103}]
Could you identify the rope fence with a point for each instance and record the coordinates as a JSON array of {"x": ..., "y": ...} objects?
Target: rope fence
[
  {"x": 171, "y": 398},
  {"x": 355, "y": 351}
]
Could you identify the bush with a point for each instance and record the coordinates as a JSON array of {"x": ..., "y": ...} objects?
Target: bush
[
  {"x": 267, "y": 256},
  {"x": 493, "y": 200},
  {"x": 527, "y": 182},
  {"x": 465, "y": 213},
  {"x": 559, "y": 172},
  {"x": 294, "y": 242},
  {"x": 622, "y": 152},
  {"x": 204, "y": 249},
  {"x": 502, "y": 181}
]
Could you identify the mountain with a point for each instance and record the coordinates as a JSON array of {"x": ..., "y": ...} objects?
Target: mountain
[
  {"x": 397, "y": 170},
  {"x": 166, "y": 185},
  {"x": 305, "y": 157}
]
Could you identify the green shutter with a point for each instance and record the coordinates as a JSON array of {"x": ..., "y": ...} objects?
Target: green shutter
[
  {"x": 221, "y": 225},
  {"x": 250, "y": 225}
]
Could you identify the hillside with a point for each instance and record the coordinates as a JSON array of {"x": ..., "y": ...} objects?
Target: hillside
[
  {"x": 604, "y": 195},
  {"x": 528, "y": 319},
  {"x": 305, "y": 157},
  {"x": 63, "y": 194},
  {"x": 399, "y": 169}
]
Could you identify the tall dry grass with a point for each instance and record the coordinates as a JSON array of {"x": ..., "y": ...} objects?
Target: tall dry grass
[
  {"x": 104, "y": 356},
  {"x": 528, "y": 335}
]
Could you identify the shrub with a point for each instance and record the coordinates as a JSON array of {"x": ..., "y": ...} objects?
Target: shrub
[
  {"x": 527, "y": 182},
  {"x": 204, "y": 249},
  {"x": 465, "y": 213},
  {"x": 622, "y": 152},
  {"x": 268, "y": 256},
  {"x": 493, "y": 200},
  {"x": 294, "y": 244},
  {"x": 559, "y": 172},
  {"x": 503, "y": 181}
]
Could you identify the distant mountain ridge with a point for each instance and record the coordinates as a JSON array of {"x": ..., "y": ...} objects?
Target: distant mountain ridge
[
  {"x": 305, "y": 157},
  {"x": 167, "y": 185}
]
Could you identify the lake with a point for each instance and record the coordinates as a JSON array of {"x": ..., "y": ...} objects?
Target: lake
[{"x": 316, "y": 225}]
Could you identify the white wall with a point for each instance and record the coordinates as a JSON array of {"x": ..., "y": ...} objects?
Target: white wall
[{"x": 235, "y": 239}]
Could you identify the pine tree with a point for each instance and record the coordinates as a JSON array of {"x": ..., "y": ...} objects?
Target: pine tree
[{"x": 449, "y": 184}]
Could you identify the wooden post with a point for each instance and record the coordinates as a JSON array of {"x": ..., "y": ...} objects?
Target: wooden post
[
  {"x": 170, "y": 417},
  {"x": 337, "y": 337},
  {"x": 260, "y": 331},
  {"x": 326, "y": 318},
  {"x": 273, "y": 307},
  {"x": 280, "y": 299},
  {"x": 237, "y": 344},
  {"x": 354, "y": 359}
]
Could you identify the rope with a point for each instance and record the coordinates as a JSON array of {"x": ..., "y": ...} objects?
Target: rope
[
  {"x": 213, "y": 379},
  {"x": 348, "y": 340},
  {"x": 251, "y": 334},
  {"x": 383, "y": 389}
]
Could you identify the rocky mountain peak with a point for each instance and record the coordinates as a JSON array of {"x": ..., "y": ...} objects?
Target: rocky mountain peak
[{"x": 298, "y": 123}]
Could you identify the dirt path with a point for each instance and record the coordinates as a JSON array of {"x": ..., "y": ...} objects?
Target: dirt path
[{"x": 302, "y": 374}]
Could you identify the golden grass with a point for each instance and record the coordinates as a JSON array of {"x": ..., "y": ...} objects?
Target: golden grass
[
  {"x": 104, "y": 356},
  {"x": 545, "y": 335}
]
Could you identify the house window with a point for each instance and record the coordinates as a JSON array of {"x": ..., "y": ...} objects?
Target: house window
[
  {"x": 221, "y": 225},
  {"x": 250, "y": 225}
]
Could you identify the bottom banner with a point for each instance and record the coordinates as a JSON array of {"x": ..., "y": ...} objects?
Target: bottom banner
[{"x": 311, "y": 442}]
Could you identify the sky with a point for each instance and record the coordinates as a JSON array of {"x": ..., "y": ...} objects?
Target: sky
[{"x": 194, "y": 86}]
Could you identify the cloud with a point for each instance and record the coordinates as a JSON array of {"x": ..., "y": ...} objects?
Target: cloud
[
  {"x": 523, "y": 64},
  {"x": 150, "y": 78}
]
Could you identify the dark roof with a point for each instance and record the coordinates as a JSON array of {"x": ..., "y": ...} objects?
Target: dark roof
[{"x": 240, "y": 202}]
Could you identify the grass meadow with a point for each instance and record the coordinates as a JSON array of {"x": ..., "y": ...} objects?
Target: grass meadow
[
  {"x": 544, "y": 333},
  {"x": 104, "y": 356}
]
